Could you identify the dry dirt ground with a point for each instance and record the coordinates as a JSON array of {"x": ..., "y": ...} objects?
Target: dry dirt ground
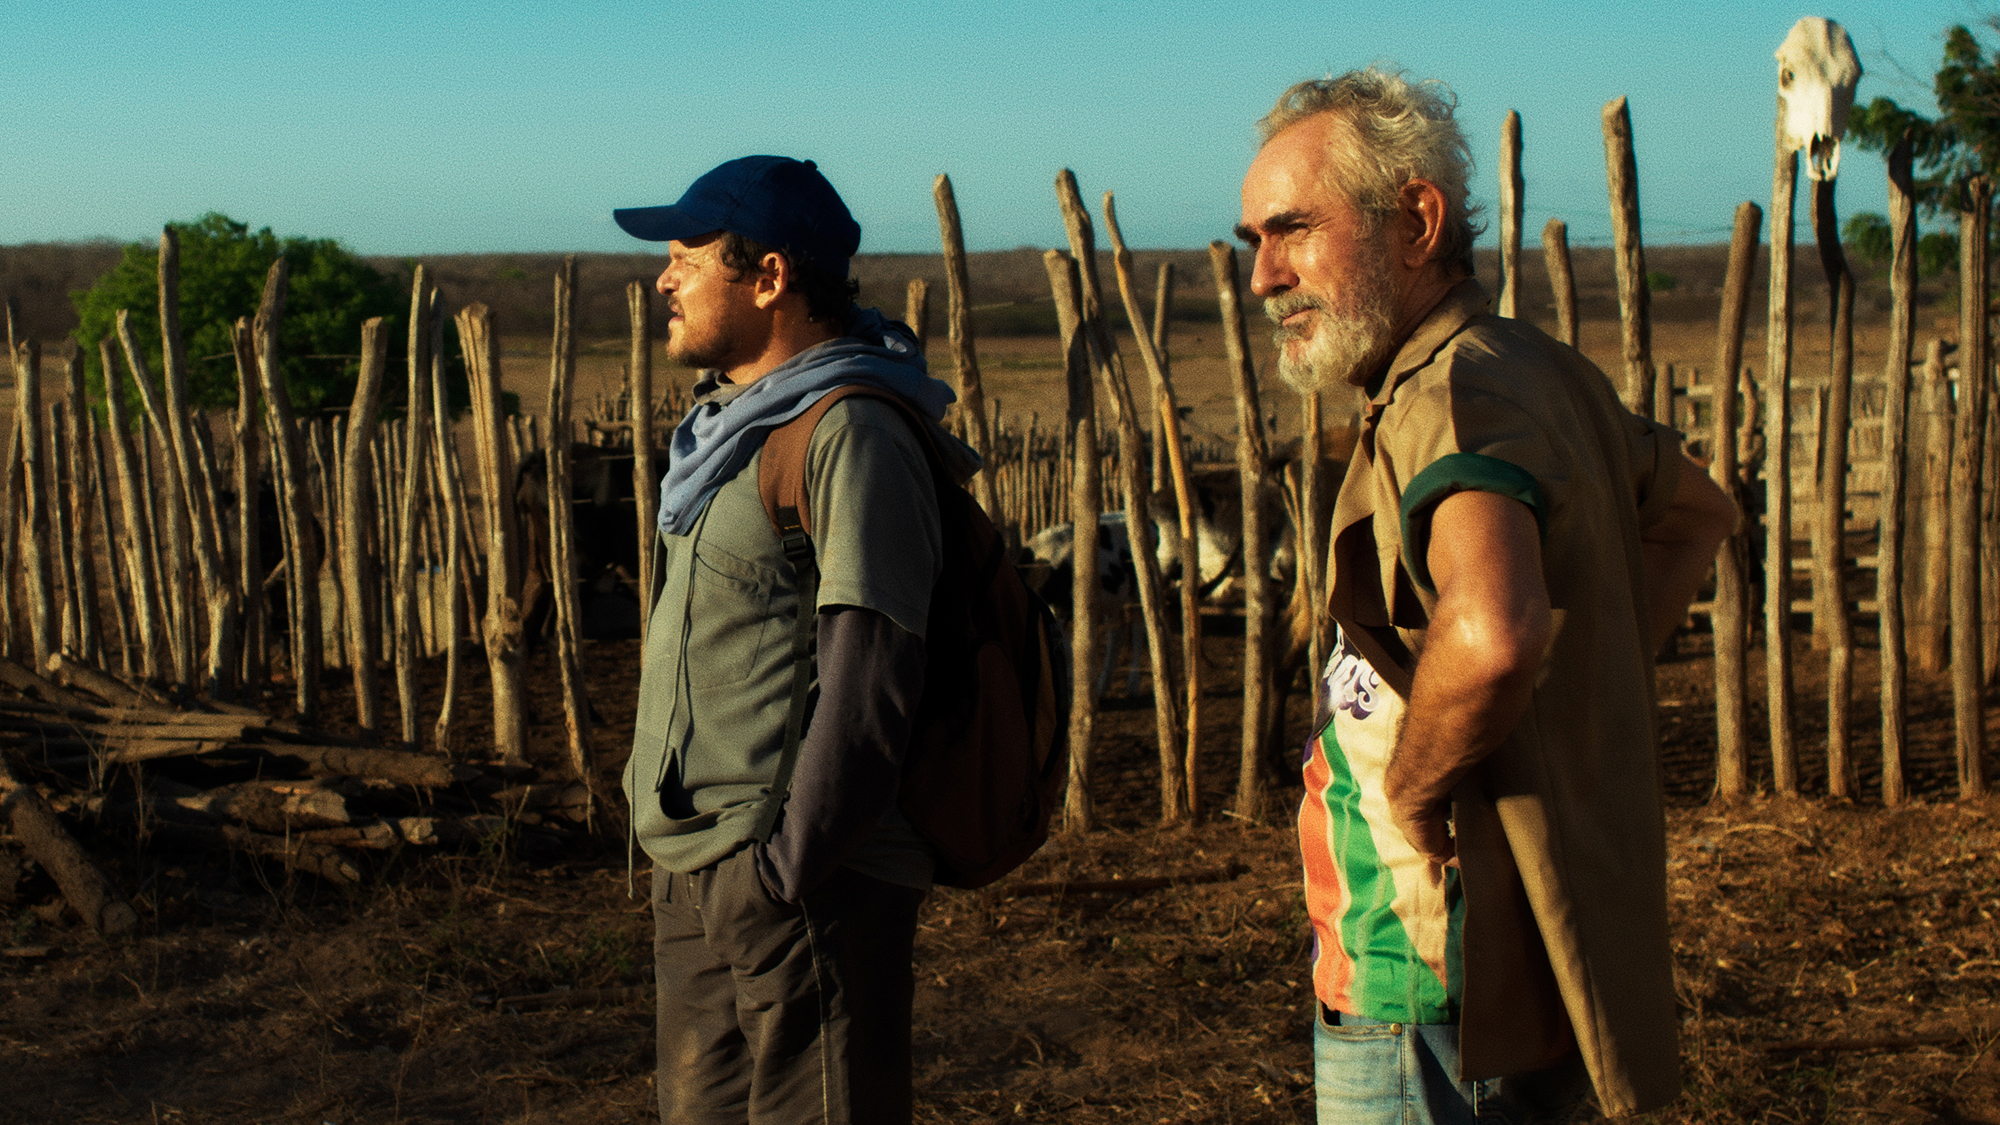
[{"x": 1834, "y": 961}]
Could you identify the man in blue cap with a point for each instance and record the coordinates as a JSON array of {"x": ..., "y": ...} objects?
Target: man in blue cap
[{"x": 784, "y": 915}]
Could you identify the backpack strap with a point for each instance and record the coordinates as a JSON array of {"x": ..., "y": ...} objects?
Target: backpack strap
[
  {"x": 781, "y": 474},
  {"x": 781, "y": 484},
  {"x": 799, "y": 552}
]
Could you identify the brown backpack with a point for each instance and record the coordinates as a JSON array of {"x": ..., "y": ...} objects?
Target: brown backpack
[{"x": 989, "y": 748}]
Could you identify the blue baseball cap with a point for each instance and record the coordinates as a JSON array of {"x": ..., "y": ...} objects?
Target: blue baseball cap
[{"x": 775, "y": 200}]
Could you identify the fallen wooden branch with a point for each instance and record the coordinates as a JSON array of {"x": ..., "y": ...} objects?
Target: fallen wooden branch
[
  {"x": 576, "y": 998},
  {"x": 260, "y": 805},
  {"x": 85, "y": 887},
  {"x": 22, "y": 680},
  {"x": 1138, "y": 885},
  {"x": 399, "y": 767},
  {"x": 77, "y": 710},
  {"x": 295, "y": 853},
  {"x": 212, "y": 727},
  {"x": 375, "y": 835},
  {"x": 148, "y": 749},
  {"x": 68, "y": 672}
]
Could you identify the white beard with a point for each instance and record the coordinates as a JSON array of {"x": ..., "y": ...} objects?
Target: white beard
[{"x": 1339, "y": 345}]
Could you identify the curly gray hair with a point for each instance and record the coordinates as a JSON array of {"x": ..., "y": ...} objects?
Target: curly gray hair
[{"x": 1398, "y": 131}]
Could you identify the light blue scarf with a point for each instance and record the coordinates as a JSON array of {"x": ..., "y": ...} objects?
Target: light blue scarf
[{"x": 728, "y": 426}]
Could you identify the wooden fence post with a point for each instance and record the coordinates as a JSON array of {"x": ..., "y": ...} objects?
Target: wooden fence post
[
  {"x": 62, "y": 532},
  {"x": 149, "y": 500},
  {"x": 1130, "y": 478},
  {"x": 1728, "y": 621},
  {"x": 175, "y": 569},
  {"x": 357, "y": 555},
  {"x": 1968, "y": 456},
  {"x": 88, "y": 634},
  {"x": 1830, "y": 583},
  {"x": 456, "y": 526},
  {"x": 218, "y": 677},
  {"x": 917, "y": 310},
  {"x": 958, "y": 291},
  {"x": 138, "y": 538},
  {"x": 325, "y": 437},
  {"x": 294, "y": 505},
  {"x": 1084, "y": 489},
  {"x": 1934, "y": 570},
  {"x": 1174, "y": 795},
  {"x": 329, "y": 452},
  {"x": 35, "y": 491},
  {"x": 1163, "y": 312},
  {"x": 249, "y": 519},
  {"x": 1562, "y": 280},
  {"x": 385, "y": 485},
  {"x": 1510, "y": 217},
  {"x": 205, "y": 539},
  {"x": 10, "y": 531},
  {"x": 562, "y": 517},
  {"x": 100, "y": 499},
  {"x": 1250, "y": 459},
  {"x": 417, "y": 439},
  {"x": 1172, "y": 444},
  {"x": 1634, "y": 299},
  {"x": 1778, "y": 481},
  {"x": 645, "y": 478},
  {"x": 1896, "y": 378},
  {"x": 1311, "y": 535},
  {"x": 505, "y": 646}
]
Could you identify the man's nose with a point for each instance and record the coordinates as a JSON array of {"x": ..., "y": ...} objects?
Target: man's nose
[
  {"x": 663, "y": 286},
  {"x": 1269, "y": 274}
]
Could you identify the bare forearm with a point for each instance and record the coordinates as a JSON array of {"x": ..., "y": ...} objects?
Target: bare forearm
[
  {"x": 1468, "y": 696},
  {"x": 1490, "y": 629}
]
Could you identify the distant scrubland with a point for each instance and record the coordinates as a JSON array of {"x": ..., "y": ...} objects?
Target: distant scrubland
[{"x": 1009, "y": 287}]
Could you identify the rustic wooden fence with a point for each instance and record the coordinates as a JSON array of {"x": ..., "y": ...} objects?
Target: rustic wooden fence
[{"x": 137, "y": 546}]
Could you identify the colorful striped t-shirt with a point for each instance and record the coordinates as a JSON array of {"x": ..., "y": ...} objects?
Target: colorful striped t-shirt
[{"x": 1386, "y": 923}]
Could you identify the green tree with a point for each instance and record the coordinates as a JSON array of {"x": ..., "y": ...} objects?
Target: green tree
[
  {"x": 1964, "y": 137},
  {"x": 1937, "y": 252},
  {"x": 223, "y": 263},
  {"x": 1869, "y": 236}
]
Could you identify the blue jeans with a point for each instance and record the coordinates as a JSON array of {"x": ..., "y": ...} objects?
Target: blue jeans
[{"x": 1367, "y": 1072}]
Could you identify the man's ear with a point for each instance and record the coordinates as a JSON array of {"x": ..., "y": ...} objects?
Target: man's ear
[
  {"x": 772, "y": 280},
  {"x": 1420, "y": 223}
]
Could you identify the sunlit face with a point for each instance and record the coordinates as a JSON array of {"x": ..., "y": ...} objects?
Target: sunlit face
[
  {"x": 708, "y": 303},
  {"x": 1323, "y": 269}
]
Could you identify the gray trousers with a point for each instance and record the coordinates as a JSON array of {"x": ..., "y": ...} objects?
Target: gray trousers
[{"x": 777, "y": 1013}]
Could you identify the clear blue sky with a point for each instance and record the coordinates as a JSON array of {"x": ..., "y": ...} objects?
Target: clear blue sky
[{"x": 503, "y": 126}]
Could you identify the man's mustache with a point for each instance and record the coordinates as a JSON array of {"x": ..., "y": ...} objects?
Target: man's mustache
[{"x": 1285, "y": 304}]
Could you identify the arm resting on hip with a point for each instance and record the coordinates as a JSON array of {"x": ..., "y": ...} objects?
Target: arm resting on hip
[
  {"x": 1678, "y": 549},
  {"x": 1488, "y": 633}
]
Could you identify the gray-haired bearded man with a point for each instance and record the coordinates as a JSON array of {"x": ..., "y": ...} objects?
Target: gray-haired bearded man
[{"x": 1482, "y": 830}]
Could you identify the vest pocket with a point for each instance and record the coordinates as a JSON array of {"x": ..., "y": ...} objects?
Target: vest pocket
[{"x": 730, "y": 616}]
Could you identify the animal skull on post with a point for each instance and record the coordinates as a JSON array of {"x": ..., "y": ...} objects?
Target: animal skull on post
[{"x": 1817, "y": 70}]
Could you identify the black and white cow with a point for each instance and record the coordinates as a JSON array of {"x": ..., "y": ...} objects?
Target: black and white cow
[
  {"x": 1049, "y": 564},
  {"x": 1218, "y": 525},
  {"x": 1218, "y": 529}
]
